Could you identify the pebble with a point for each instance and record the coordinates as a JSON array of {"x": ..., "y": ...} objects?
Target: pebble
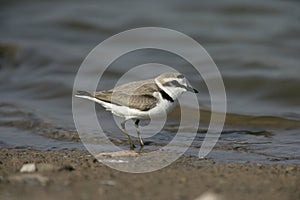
[
  {"x": 31, "y": 167},
  {"x": 210, "y": 196}
]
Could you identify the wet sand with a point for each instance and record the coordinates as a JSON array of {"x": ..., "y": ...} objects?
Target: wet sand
[{"x": 78, "y": 175}]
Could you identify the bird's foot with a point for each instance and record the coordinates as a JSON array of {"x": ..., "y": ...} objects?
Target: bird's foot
[
  {"x": 141, "y": 149},
  {"x": 132, "y": 146},
  {"x": 203, "y": 158}
]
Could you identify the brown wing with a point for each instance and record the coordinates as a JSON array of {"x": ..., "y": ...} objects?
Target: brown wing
[{"x": 138, "y": 95}]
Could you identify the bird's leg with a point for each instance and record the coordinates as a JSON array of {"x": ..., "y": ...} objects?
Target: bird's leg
[
  {"x": 128, "y": 137},
  {"x": 136, "y": 123}
]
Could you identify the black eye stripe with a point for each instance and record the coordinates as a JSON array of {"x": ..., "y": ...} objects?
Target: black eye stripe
[
  {"x": 174, "y": 83},
  {"x": 180, "y": 76}
]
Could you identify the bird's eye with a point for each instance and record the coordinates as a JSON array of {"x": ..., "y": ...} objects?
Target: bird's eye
[{"x": 180, "y": 76}]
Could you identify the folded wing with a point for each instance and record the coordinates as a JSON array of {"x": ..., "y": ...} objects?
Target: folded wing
[{"x": 138, "y": 95}]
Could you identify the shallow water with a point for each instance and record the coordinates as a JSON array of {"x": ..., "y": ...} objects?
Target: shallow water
[{"x": 255, "y": 45}]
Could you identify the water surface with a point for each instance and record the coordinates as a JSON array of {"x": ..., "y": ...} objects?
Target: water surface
[{"x": 255, "y": 44}]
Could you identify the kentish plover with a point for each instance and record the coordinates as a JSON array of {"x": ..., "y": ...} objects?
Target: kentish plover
[{"x": 141, "y": 99}]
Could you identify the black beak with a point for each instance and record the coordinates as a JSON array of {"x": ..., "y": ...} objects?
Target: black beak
[{"x": 191, "y": 89}]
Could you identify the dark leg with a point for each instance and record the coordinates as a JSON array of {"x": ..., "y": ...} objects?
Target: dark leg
[
  {"x": 128, "y": 137},
  {"x": 138, "y": 132}
]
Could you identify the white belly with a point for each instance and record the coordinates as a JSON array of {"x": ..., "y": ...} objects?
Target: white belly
[{"x": 163, "y": 107}]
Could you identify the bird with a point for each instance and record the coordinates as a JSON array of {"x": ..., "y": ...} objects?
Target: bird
[{"x": 139, "y": 100}]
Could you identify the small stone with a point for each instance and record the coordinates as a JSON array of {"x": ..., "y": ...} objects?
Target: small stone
[
  {"x": 31, "y": 167},
  {"x": 210, "y": 196}
]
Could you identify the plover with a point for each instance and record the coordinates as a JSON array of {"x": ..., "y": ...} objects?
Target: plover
[{"x": 141, "y": 99}]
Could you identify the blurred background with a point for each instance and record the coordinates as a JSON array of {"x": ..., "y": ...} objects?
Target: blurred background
[{"x": 255, "y": 45}]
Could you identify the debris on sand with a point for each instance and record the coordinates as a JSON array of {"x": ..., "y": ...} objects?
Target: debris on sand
[
  {"x": 124, "y": 153},
  {"x": 44, "y": 167}
]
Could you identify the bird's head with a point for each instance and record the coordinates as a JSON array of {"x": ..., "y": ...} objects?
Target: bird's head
[{"x": 174, "y": 84}]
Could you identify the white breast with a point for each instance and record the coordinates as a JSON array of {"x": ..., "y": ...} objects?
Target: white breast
[{"x": 163, "y": 107}]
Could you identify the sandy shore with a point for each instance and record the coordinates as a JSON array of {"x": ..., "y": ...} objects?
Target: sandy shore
[{"x": 77, "y": 175}]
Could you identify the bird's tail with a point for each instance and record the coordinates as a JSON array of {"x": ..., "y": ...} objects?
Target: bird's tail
[
  {"x": 89, "y": 96},
  {"x": 83, "y": 94}
]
